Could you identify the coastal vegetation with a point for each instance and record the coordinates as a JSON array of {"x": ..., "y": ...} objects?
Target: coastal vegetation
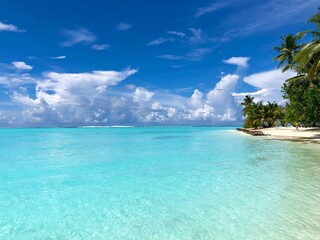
[
  {"x": 260, "y": 114},
  {"x": 301, "y": 92}
]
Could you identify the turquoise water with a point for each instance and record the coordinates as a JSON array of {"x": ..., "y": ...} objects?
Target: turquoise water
[{"x": 156, "y": 183}]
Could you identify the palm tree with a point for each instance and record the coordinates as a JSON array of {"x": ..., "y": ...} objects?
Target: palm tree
[
  {"x": 257, "y": 115},
  {"x": 288, "y": 50},
  {"x": 261, "y": 115},
  {"x": 247, "y": 103},
  {"x": 247, "y": 111},
  {"x": 309, "y": 59},
  {"x": 271, "y": 113},
  {"x": 315, "y": 19},
  {"x": 309, "y": 56}
]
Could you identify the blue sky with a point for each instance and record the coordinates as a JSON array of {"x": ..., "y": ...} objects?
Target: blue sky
[{"x": 70, "y": 63}]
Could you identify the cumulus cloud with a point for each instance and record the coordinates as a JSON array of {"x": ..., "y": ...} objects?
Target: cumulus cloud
[
  {"x": 239, "y": 61},
  {"x": 16, "y": 80},
  {"x": 9, "y": 28},
  {"x": 72, "y": 98},
  {"x": 81, "y": 35},
  {"x": 7, "y": 118},
  {"x": 268, "y": 85},
  {"x": 216, "y": 107},
  {"x": 64, "y": 99},
  {"x": 196, "y": 99},
  {"x": 22, "y": 66},
  {"x": 221, "y": 97},
  {"x": 65, "y": 84},
  {"x": 142, "y": 95}
]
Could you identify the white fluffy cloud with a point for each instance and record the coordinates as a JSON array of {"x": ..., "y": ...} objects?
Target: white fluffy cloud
[
  {"x": 142, "y": 95},
  {"x": 221, "y": 98},
  {"x": 64, "y": 99},
  {"x": 269, "y": 79},
  {"x": 16, "y": 80},
  {"x": 268, "y": 85},
  {"x": 89, "y": 98},
  {"x": 216, "y": 107},
  {"x": 196, "y": 99},
  {"x": 9, "y": 28},
  {"x": 22, "y": 65},
  {"x": 239, "y": 61},
  {"x": 72, "y": 98}
]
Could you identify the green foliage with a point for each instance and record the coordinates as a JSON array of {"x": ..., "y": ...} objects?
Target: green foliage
[
  {"x": 260, "y": 115},
  {"x": 288, "y": 50},
  {"x": 308, "y": 57},
  {"x": 302, "y": 92},
  {"x": 248, "y": 111},
  {"x": 315, "y": 19},
  {"x": 304, "y": 105},
  {"x": 295, "y": 90}
]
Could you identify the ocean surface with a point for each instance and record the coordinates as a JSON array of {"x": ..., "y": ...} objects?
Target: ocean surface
[{"x": 156, "y": 183}]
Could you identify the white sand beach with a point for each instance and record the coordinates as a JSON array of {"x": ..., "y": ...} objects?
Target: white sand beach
[{"x": 290, "y": 133}]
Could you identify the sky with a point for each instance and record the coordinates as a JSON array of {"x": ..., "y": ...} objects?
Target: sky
[{"x": 138, "y": 62}]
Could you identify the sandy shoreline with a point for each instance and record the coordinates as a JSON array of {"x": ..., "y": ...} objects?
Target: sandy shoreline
[{"x": 290, "y": 133}]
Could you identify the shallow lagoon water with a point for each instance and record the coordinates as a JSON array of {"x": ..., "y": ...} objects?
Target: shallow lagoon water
[{"x": 156, "y": 183}]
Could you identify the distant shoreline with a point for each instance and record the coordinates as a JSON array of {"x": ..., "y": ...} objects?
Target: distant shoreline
[{"x": 285, "y": 133}]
